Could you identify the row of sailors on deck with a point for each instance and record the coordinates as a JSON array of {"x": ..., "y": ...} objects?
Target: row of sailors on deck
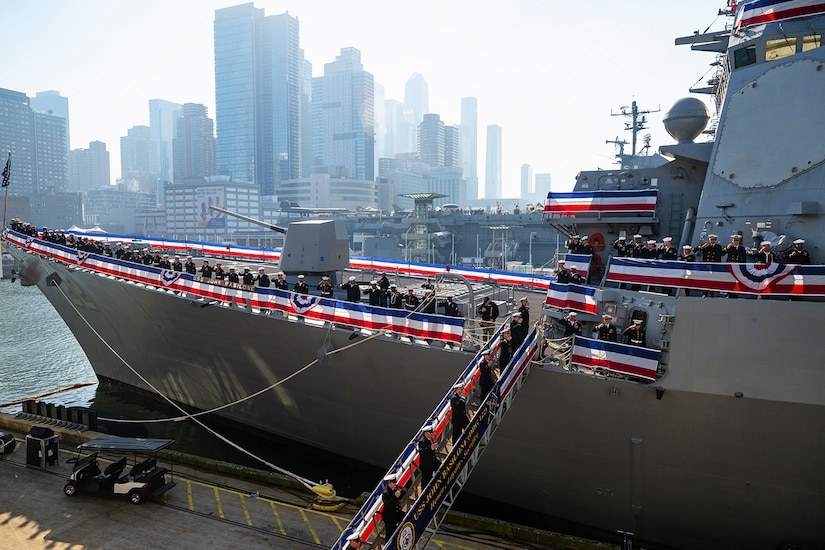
[
  {"x": 710, "y": 251},
  {"x": 607, "y": 331}
]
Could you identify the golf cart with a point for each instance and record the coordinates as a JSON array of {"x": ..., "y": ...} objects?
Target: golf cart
[{"x": 142, "y": 480}]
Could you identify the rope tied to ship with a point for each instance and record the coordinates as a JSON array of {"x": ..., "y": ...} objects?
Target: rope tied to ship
[{"x": 325, "y": 491}]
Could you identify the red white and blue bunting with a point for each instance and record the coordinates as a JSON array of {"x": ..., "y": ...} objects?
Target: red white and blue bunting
[
  {"x": 615, "y": 357},
  {"x": 773, "y": 278},
  {"x": 417, "y": 325},
  {"x": 600, "y": 201},
  {"x": 764, "y": 11},
  {"x": 571, "y": 296}
]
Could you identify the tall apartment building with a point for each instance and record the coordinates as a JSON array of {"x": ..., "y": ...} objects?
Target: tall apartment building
[
  {"x": 437, "y": 143},
  {"x": 343, "y": 116},
  {"x": 259, "y": 71},
  {"x": 431, "y": 140},
  {"x": 162, "y": 118},
  {"x": 468, "y": 143},
  {"x": 51, "y": 155},
  {"x": 38, "y": 143},
  {"x": 89, "y": 168},
  {"x": 50, "y": 102},
  {"x": 138, "y": 160},
  {"x": 194, "y": 144},
  {"x": 527, "y": 188},
  {"x": 492, "y": 173}
]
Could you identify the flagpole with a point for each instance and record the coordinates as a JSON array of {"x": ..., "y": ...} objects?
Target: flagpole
[{"x": 6, "y": 176}]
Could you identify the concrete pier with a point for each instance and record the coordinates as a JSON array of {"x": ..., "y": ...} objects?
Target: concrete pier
[{"x": 214, "y": 505}]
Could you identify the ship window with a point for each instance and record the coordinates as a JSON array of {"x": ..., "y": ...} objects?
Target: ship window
[
  {"x": 811, "y": 42},
  {"x": 779, "y": 48},
  {"x": 744, "y": 57}
]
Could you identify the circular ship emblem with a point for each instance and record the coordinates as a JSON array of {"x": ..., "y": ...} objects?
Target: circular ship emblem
[{"x": 406, "y": 537}]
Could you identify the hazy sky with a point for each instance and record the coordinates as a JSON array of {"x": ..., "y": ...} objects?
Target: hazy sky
[{"x": 548, "y": 72}]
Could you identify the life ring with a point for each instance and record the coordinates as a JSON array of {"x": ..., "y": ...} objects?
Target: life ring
[{"x": 597, "y": 241}]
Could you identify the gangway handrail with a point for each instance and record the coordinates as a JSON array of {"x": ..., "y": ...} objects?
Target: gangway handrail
[
  {"x": 364, "y": 521},
  {"x": 464, "y": 453}
]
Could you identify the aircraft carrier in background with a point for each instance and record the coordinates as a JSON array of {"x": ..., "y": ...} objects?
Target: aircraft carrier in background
[{"x": 720, "y": 447}]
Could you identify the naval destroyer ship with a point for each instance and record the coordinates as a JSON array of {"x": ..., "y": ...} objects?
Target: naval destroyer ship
[{"x": 720, "y": 444}]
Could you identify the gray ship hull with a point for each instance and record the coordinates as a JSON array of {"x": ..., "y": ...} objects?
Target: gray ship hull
[{"x": 698, "y": 468}]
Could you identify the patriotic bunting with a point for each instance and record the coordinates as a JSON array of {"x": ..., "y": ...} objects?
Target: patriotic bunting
[
  {"x": 774, "y": 278},
  {"x": 601, "y": 201},
  {"x": 571, "y": 296},
  {"x": 621, "y": 358},
  {"x": 413, "y": 324},
  {"x": 765, "y": 11}
]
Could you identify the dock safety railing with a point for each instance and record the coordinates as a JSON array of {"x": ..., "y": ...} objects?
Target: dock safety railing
[{"x": 426, "y": 508}]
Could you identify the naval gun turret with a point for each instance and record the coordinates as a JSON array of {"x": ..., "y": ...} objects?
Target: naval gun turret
[{"x": 312, "y": 248}]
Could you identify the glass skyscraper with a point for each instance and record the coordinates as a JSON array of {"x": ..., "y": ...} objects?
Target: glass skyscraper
[
  {"x": 258, "y": 76},
  {"x": 344, "y": 116}
]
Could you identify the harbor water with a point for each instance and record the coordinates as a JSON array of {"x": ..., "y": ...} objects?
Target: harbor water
[{"x": 38, "y": 354}]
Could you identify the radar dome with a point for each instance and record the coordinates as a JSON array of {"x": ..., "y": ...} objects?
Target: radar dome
[{"x": 686, "y": 119}]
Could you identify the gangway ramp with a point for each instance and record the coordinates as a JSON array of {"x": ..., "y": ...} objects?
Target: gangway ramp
[{"x": 425, "y": 508}]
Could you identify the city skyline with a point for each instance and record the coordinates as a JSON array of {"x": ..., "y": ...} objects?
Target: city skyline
[{"x": 552, "y": 99}]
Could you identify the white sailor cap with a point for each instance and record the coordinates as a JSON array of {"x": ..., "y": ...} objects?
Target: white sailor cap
[
  {"x": 459, "y": 386},
  {"x": 572, "y": 314},
  {"x": 516, "y": 314},
  {"x": 637, "y": 236},
  {"x": 561, "y": 261},
  {"x": 300, "y": 276},
  {"x": 667, "y": 239},
  {"x": 524, "y": 299},
  {"x": 391, "y": 477},
  {"x": 231, "y": 269},
  {"x": 622, "y": 238},
  {"x": 799, "y": 241},
  {"x": 428, "y": 291},
  {"x": 764, "y": 243},
  {"x": 373, "y": 282},
  {"x": 576, "y": 237},
  {"x": 177, "y": 257},
  {"x": 573, "y": 267},
  {"x": 393, "y": 285},
  {"x": 637, "y": 321},
  {"x": 585, "y": 238},
  {"x": 260, "y": 269},
  {"x": 428, "y": 427},
  {"x": 606, "y": 316},
  {"x": 325, "y": 278},
  {"x": 486, "y": 353},
  {"x": 736, "y": 237},
  {"x": 712, "y": 236},
  {"x": 279, "y": 273},
  {"x": 354, "y": 537},
  {"x": 651, "y": 241},
  {"x": 352, "y": 277}
]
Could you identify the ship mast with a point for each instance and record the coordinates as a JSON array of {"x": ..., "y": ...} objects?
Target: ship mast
[{"x": 637, "y": 121}]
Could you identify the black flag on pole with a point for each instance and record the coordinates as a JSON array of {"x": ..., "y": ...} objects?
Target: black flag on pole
[{"x": 7, "y": 172}]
